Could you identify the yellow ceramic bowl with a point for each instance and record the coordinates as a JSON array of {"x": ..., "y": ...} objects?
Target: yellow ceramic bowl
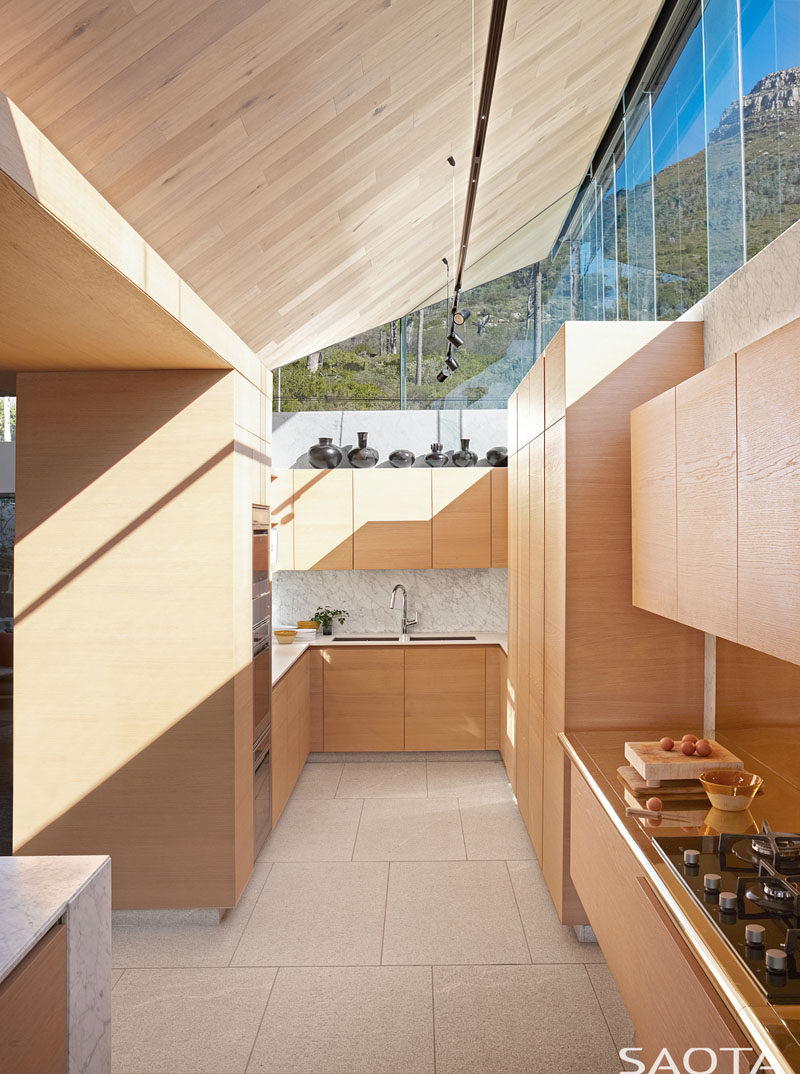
[
  {"x": 730, "y": 789},
  {"x": 285, "y": 637},
  {"x": 307, "y": 624}
]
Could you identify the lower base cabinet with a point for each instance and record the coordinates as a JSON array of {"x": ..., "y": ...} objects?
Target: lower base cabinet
[
  {"x": 670, "y": 1000},
  {"x": 363, "y": 699},
  {"x": 445, "y": 698},
  {"x": 33, "y": 1010},
  {"x": 291, "y": 731}
]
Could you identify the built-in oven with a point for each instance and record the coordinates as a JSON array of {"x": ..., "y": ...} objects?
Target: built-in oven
[
  {"x": 262, "y": 791},
  {"x": 262, "y": 623}
]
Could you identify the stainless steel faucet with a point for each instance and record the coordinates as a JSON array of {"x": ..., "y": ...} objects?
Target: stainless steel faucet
[{"x": 407, "y": 620}]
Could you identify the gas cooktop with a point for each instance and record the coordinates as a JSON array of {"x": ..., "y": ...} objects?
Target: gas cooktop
[{"x": 749, "y": 887}]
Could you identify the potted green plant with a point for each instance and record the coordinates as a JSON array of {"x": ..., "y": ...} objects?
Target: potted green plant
[{"x": 326, "y": 616}]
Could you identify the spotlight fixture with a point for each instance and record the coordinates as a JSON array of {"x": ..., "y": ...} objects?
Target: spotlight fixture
[
  {"x": 443, "y": 374},
  {"x": 451, "y": 363},
  {"x": 451, "y": 161},
  {"x": 454, "y": 339},
  {"x": 461, "y": 317}
]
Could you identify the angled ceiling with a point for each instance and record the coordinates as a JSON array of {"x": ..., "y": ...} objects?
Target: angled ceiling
[{"x": 289, "y": 159}]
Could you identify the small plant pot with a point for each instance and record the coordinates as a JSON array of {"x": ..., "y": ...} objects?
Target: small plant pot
[{"x": 327, "y": 628}]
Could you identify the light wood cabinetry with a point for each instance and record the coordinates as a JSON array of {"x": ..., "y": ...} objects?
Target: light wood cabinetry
[
  {"x": 363, "y": 699},
  {"x": 654, "y": 519},
  {"x": 462, "y": 524},
  {"x": 33, "y": 1010},
  {"x": 281, "y": 505},
  {"x": 678, "y": 1003},
  {"x": 323, "y": 520},
  {"x": 705, "y": 437},
  {"x": 445, "y": 698},
  {"x": 495, "y": 694},
  {"x": 392, "y": 519},
  {"x": 499, "y": 490},
  {"x": 580, "y": 654},
  {"x": 291, "y": 731}
]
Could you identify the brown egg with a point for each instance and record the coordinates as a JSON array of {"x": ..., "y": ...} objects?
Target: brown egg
[
  {"x": 666, "y": 743},
  {"x": 687, "y": 747},
  {"x": 654, "y": 804},
  {"x": 704, "y": 748},
  {"x": 689, "y": 738}
]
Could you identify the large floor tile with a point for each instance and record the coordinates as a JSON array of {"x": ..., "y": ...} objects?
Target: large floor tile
[
  {"x": 486, "y": 780},
  {"x": 187, "y": 944},
  {"x": 370, "y": 1020},
  {"x": 383, "y": 779},
  {"x": 389, "y": 757},
  {"x": 548, "y": 939},
  {"x": 519, "y": 1020},
  {"x": 452, "y": 913},
  {"x": 317, "y": 914},
  {"x": 115, "y": 976},
  {"x": 615, "y": 1012},
  {"x": 318, "y": 781},
  {"x": 188, "y": 1021},
  {"x": 314, "y": 830},
  {"x": 410, "y": 829},
  {"x": 494, "y": 830}
]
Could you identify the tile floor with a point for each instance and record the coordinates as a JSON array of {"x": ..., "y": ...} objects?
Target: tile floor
[{"x": 396, "y": 922}]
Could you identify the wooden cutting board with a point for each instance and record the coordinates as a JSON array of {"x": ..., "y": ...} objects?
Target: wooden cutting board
[
  {"x": 654, "y": 764},
  {"x": 681, "y": 788}
]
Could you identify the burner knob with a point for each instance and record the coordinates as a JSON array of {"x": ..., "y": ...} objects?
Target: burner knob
[
  {"x": 754, "y": 935},
  {"x": 691, "y": 857},
  {"x": 711, "y": 882},
  {"x": 727, "y": 901},
  {"x": 776, "y": 960}
]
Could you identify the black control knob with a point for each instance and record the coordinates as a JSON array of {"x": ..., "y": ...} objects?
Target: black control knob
[
  {"x": 711, "y": 882},
  {"x": 691, "y": 857},
  {"x": 727, "y": 901},
  {"x": 776, "y": 960},
  {"x": 754, "y": 935}
]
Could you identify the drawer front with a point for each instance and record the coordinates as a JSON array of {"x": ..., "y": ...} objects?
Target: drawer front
[{"x": 33, "y": 1010}]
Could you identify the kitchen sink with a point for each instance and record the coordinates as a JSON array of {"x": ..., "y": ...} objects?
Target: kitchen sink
[
  {"x": 442, "y": 637},
  {"x": 367, "y": 637}
]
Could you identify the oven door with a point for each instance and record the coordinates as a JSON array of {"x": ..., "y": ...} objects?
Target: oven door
[
  {"x": 262, "y": 686},
  {"x": 262, "y": 791}
]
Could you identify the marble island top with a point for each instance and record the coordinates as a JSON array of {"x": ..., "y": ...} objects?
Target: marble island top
[
  {"x": 284, "y": 656},
  {"x": 34, "y": 895}
]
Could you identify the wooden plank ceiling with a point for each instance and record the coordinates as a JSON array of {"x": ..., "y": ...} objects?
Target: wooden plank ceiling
[{"x": 289, "y": 159}]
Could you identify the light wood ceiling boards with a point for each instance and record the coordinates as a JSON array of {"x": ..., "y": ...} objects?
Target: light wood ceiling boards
[{"x": 289, "y": 159}]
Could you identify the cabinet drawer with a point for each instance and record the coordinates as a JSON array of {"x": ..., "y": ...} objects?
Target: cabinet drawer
[{"x": 33, "y": 1010}]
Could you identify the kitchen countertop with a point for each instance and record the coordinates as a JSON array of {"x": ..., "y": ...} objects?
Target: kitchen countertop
[
  {"x": 284, "y": 656},
  {"x": 773, "y": 753},
  {"x": 34, "y": 895}
]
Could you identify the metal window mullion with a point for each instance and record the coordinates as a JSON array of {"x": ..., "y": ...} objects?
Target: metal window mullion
[
  {"x": 652, "y": 200},
  {"x": 741, "y": 125}
]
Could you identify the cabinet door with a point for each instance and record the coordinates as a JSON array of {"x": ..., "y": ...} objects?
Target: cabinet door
[
  {"x": 555, "y": 588},
  {"x": 536, "y": 644},
  {"x": 499, "y": 484},
  {"x": 281, "y": 506},
  {"x": 508, "y": 713},
  {"x": 363, "y": 699},
  {"x": 462, "y": 522},
  {"x": 653, "y": 501},
  {"x": 280, "y": 756},
  {"x": 323, "y": 520},
  {"x": 495, "y": 694},
  {"x": 299, "y": 715},
  {"x": 523, "y": 629},
  {"x": 705, "y": 436},
  {"x": 445, "y": 698},
  {"x": 33, "y": 1010},
  {"x": 392, "y": 519}
]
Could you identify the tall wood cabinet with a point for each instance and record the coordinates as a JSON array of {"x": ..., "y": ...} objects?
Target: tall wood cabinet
[{"x": 580, "y": 654}]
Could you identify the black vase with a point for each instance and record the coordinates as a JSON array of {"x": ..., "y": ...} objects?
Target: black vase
[
  {"x": 436, "y": 457},
  {"x": 325, "y": 455},
  {"x": 402, "y": 458},
  {"x": 497, "y": 456},
  {"x": 465, "y": 457},
  {"x": 363, "y": 457}
]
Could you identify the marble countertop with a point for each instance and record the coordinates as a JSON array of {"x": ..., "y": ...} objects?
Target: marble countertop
[
  {"x": 34, "y": 892},
  {"x": 284, "y": 656}
]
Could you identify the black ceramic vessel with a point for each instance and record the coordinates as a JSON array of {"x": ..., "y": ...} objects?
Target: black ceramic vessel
[
  {"x": 436, "y": 457},
  {"x": 465, "y": 457},
  {"x": 363, "y": 457},
  {"x": 402, "y": 458},
  {"x": 325, "y": 455},
  {"x": 497, "y": 456}
]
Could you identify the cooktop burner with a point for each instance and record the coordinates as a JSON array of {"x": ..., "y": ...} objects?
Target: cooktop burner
[{"x": 749, "y": 888}]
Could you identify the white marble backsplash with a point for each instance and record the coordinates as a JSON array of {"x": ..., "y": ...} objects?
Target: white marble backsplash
[{"x": 461, "y": 600}]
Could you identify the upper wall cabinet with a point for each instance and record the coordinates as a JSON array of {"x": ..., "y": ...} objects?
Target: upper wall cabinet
[
  {"x": 462, "y": 525},
  {"x": 499, "y": 482},
  {"x": 323, "y": 520},
  {"x": 392, "y": 519}
]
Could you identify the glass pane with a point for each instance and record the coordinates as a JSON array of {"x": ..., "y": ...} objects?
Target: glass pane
[
  {"x": 679, "y": 185},
  {"x": 638, "y": 162},
  {"x": 724, "y": 140},
  {"x": 771, "y": 117},
  {"x": 556, "y": 293},
  {"x": 608, "y": 235},
  {"x": 591, "y": 261}
]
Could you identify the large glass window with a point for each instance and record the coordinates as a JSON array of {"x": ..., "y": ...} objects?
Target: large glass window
[{"x": 639, "y": 213}]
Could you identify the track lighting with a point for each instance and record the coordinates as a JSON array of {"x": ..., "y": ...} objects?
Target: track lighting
[
  {"x": 451, "y": 363},
  {"x": 443, "y": 374},
  {"x": 454, "y": 339},
  {"x": 461, "y": 317}
]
